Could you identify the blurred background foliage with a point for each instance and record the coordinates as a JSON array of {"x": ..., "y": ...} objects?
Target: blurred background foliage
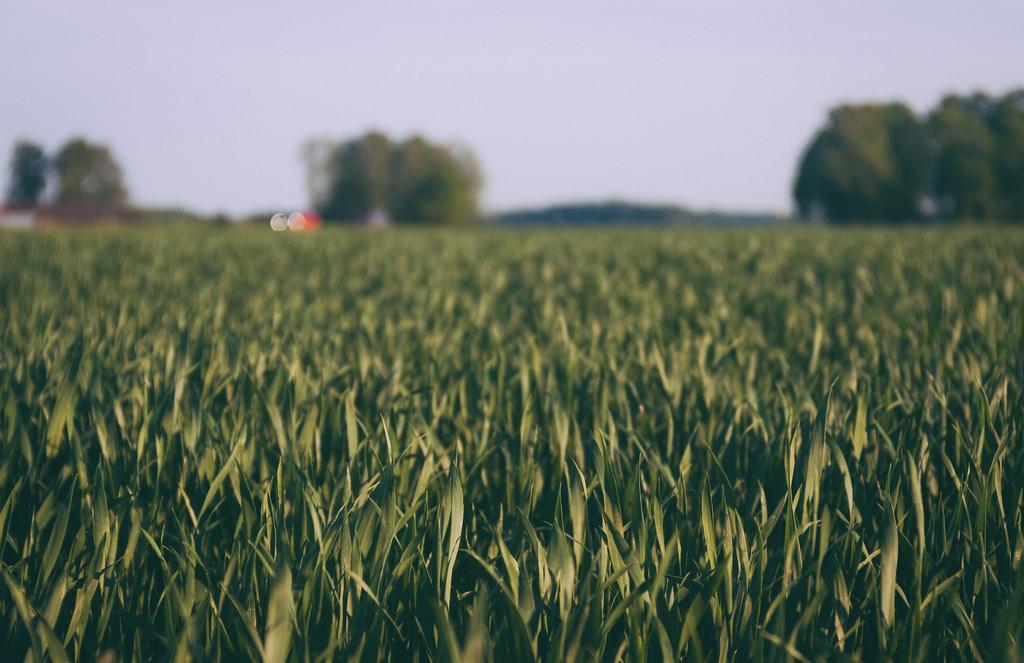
[
  {"x": 882, "y": 162},
  {"x": 81, "y": 172},
  {"x": 875, "y": 162},
  {"x": 410, "y": 181}
]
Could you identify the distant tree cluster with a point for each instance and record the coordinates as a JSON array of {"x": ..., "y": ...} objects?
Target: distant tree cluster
[
  {"x": 626, "y": 213},
  {"x": 609, "y": 212},
  {"x": 86, "y": 173},
  {"x": 27, "y": 175},
  {"x": 882, "y": 162},
  {"x": 412, "y": 181}
]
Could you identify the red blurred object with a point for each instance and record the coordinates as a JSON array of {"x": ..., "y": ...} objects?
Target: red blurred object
[
  {"x": 313, "y": 220},
  {"x": 304, "y": 221}
]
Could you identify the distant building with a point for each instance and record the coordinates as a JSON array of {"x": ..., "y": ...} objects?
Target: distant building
[
  {"x": 377, "y": 218},
  {"x": 17, "y": 219}
]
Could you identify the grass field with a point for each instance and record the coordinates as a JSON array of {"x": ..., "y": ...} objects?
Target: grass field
[{"x": 596, "y": 445}]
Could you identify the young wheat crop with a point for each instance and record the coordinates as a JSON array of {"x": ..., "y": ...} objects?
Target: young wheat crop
[{"x": 495, "y": 445}]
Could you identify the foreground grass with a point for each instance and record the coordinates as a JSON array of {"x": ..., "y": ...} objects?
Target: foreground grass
[{"x": 507, "y": 446}]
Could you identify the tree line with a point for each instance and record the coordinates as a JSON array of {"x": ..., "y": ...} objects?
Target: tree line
[
  {"x": 81, "y": 172},
  {"x": 962, "y": 160},
  {"x": 409, "y": 181}
]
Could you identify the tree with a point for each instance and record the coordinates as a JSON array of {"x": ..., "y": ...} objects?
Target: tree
[
  {"x": 966, "y": 183},
  {"x": 868, "y": 163},
  {"x": 434, "y": 184},
  {"x": 1007, "y": 124},
  {"x": 316, "y": 155},
  {"x": 416, "y": 181},
  {"x": 28, "y": 175},
  {"x": 964, "y": 161},
  {"x": 88, "y": 173},
  {"x": 355, "y": 179}
]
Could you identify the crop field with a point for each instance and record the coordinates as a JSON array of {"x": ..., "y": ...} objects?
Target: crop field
[{"x": 491, "y": 445}]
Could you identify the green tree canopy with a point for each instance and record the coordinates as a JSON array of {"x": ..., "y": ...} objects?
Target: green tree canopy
[
  {"x": 415, "y": 181},
  {"x": 964, "y": 160},
  {"x": 1006, "y": 122},
  {"x": 88, "y": 173},
  {"x": 965, "y": 181},
  {"x": 27, "y": 175},
  {"x": 357, "y": 177},
  {"x": 434, "y": 183},
  {"x": 867, "y": 163}
]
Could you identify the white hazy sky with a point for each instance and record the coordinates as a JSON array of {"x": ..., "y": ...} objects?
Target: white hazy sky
[{"x": 705, "y": 103}]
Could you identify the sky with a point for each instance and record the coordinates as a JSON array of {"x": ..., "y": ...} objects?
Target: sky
[{"x": 703, "y": 103}]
